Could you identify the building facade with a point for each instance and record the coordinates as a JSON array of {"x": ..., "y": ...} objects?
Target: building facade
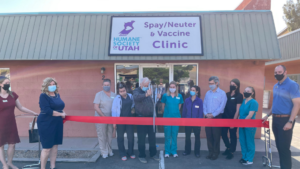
[{"x": 74, "y": 48}]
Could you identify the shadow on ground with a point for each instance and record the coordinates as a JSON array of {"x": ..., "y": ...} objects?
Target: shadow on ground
[{"x": 188, "y": 162}]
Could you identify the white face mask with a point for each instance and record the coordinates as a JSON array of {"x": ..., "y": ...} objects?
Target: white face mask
[{"x": 172, "y": 90}]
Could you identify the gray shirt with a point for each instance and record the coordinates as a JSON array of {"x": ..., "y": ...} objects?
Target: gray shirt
[{"x": 105, "y": 102}]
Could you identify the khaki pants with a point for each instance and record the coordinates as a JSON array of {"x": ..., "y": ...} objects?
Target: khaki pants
[{"x": 104, "y": 132}]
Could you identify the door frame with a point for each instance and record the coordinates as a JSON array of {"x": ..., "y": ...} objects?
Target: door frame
[{"x": 155, "y": 65}]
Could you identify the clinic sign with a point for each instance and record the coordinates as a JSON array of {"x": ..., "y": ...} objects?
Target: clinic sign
[{"x": 155, "y": 36}]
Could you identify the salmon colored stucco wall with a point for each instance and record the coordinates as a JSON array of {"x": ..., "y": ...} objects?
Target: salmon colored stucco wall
[
  {"x": 292, "y": 68},
  {"x": 79, "y": 81}
]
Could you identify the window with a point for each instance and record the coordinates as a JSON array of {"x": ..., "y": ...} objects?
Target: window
[{"x": 128, "y": 74}]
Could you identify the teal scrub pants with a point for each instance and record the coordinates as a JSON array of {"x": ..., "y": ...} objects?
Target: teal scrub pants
[
  {"x": 246, "y": 136},
  {"x": 171, "y": 133}
]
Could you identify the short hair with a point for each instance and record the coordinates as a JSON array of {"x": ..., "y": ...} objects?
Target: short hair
[
  {"x": 284, "y": 68},
  {"x": 120, "y": 85},
  {"x": 215, "y": 79},
  {"x": 144, "y": 80},
  {"x": 107, "y": 80}
]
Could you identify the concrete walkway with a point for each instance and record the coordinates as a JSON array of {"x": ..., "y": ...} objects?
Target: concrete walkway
[{"x": 189, "y": 161}]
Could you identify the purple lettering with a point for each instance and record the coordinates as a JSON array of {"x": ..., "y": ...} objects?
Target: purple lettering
[
  {"x": 136, "y": 48},
  {"x": 167, "y": 44},
  {"x": 120, "y": 48},
  {"x": 173, "y": 44},
  {"x": 184, "y": 44},
  {"x": 163, "y": 44},
  {"x": 190, "y": 24},
  {"x": 176, "y": 24},
  {"x": 170, "y": 33},
  {"x": 194, "y": 24},
  {"x": 187, "y": 33},
  {"x": 160, "y": 33},
  {"x": 182, "y": 25},
  {"x": 155, "y": 45},
  {"x": 170, "y": 24},
  {"x": 130, "y": 48}
]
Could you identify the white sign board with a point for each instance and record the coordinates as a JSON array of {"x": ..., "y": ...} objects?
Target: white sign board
[{"x": 155, "y": 36}]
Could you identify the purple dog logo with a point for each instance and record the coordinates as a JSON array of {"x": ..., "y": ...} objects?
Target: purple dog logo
[{"x": 127, "y": 28}]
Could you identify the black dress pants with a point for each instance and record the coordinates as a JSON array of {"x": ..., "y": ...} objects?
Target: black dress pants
[
  {"x": 188, "y": 132},
  {"x": 233, "y": 138},
  {"x": 283, "y": 141},
  {"x": 213, "y": 135},
  {"x": 142, "y": 132},
  {"x": 121, "y": 129}
]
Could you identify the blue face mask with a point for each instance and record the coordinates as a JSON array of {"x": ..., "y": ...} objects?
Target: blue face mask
[
  {"x": 212, "y": 87},
  {"x": 145, "y": 89},
  {"x": 52, "y": 88},
  {"x": 192, "y": 93},
  {"x": 106, "y": 88}
]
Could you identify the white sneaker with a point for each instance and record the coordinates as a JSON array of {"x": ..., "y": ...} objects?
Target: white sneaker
[
  {"x": 111, "y": 154},
  {"x": 167, "y": 155},
  {"x": 104, "y": 156},
  {"x": 248, "y": 163},
  {"x": 175, "y": 155}
]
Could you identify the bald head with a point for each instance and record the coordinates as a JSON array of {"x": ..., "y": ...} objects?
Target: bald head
[{"x": 280, "y": 73}]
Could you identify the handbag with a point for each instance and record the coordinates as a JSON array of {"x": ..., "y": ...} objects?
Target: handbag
[{"x": 33, "y": 132}]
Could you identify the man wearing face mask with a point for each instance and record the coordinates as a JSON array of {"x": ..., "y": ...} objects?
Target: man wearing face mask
[
  {"x": 286, "y": 105},
  {"x": 144, "y": 107},
  {"x": 213, "y": 107}
]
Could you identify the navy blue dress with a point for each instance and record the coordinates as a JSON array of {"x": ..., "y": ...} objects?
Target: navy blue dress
[{"x": 50, "y": 127}]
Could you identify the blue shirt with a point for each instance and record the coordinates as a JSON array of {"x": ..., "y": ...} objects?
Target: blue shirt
[
  {"x": 251, "y": 105},
  {"x": 192, "y": 109},
  {"x": 282, "y": 96},
  {"x": 214, "y": 102},
  {"x": 172, "y": 105}
]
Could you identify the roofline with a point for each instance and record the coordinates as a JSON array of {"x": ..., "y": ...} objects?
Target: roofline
[
  {"x": 135, "y": 12},
  {"x": 295, "y": 31},
  {"x": 281, "y": 61},
  {"x": 282, "y": 31},
  {"x": 243, "y": 5}
]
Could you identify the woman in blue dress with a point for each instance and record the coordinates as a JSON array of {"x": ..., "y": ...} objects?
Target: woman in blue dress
[
  {"x": 50, "y": 121},
  {"x": 248, "y": 110},
  {"x": 172, "y": 101}
]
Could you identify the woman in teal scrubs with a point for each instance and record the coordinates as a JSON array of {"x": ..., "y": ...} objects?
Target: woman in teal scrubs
[
  {"x": 171, "y": 103},
  {"x": 248, "y": 110}
]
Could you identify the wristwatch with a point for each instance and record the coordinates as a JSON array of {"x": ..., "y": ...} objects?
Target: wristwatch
[{"x": 290, "y": 121}]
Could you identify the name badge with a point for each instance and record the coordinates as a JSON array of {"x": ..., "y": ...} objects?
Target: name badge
[
  {"x": 197, "y": 107},
  {"x": 4, "y": 101},
  {"x": 112, "y": 97},
  {"x": 215, "y": 97},
  {"x": 232, "y": 98},
  {"x": 177, "y": 97}
]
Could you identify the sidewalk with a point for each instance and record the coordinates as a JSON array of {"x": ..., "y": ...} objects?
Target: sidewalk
[{"x": 91, "y": 144}]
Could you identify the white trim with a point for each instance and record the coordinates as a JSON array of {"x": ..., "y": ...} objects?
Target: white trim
[
  {"x": 141, "y": 65},
  {"x": 281, "y": 61},
  {"x": 295, "y": 31}
]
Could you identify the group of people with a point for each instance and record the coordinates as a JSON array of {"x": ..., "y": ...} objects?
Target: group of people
[{"x": 216, "y": 105}]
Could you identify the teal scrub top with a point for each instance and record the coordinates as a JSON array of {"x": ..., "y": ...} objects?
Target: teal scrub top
[
  {"x": 172, "y": 105},
  {"x": 251, "y": 105}
]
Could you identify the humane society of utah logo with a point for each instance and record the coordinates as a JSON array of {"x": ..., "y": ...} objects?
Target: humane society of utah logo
[{"x": 123, "y": 43}]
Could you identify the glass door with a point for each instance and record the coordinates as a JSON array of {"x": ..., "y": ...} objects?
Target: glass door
[{"x": 159, "y": 76}]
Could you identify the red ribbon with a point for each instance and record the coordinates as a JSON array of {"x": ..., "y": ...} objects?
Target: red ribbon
[{"x": 170, "y": 121}]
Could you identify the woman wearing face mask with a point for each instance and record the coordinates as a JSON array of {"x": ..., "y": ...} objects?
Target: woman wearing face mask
[
  {"x": 8, "y": 127},
  {"x": 102, "y": 105},
  {"x": 193, "y": 108},
  {"x": 171, "y": 103},
  {"x": 122, "y": 107},
  {"x": 234, "y": 101},
  {"x": 50, "y": 121},
  {"x": 248, "y": 110}
]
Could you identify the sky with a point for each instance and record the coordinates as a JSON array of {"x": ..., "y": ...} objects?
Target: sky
[{"x": 17, "y": 6}]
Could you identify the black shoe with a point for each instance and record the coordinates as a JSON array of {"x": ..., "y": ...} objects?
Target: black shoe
[
  {"x": 209, "y": 156},
  {"x": 214, "y": 157},
  {"x": 197, "y": 155},
  {"x": 242, "y": 161},
  {"x": 229, "y": 156},
  {"x": 226, "y": 152},
  {"x": 185, "y": 154}
]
